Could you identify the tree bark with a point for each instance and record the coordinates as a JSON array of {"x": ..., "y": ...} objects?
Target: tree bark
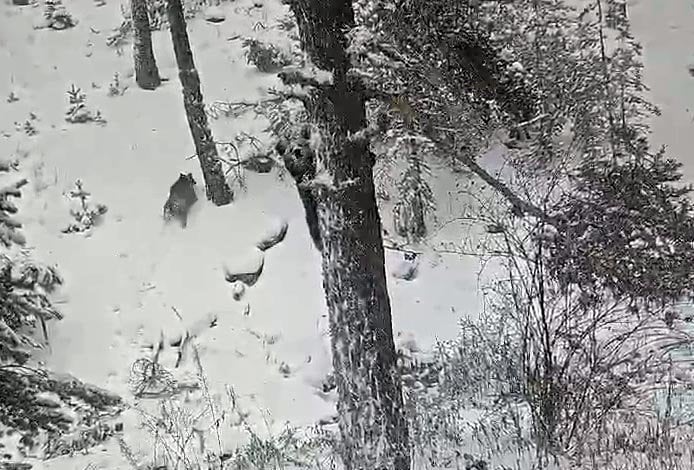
[
  {"x": 371, "y": 416},
  {"x": 216, "y": 187},
  {"x": 146, "y": 71}
]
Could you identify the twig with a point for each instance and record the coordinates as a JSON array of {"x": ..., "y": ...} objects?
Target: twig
[
  {"x": 531, "y": 121},
  {"x": 401, "y": 249},
  {"x": 178, "y": 314}
]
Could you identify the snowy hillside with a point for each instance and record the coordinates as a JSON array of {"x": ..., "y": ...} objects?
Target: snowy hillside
[
  {"x": 134, "y": 280},
  {"x": 124, "y": 281}
]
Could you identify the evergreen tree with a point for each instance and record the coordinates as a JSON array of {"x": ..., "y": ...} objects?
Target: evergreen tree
[
  {"x": 415, "y": 199},
  {"x": 567, "y": 82},
  {"x": 33, "y": 400},
  {"x": 9, "y": 227}
]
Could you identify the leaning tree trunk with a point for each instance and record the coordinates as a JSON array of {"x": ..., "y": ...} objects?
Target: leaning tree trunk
[
  {"x": 370, "y": 412},
  {"x": 146, "y": 72},
  {"x": 217, "y": 189}
]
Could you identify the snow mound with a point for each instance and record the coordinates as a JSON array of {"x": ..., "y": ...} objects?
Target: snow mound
[
  {"x": 214, "y": 14},
  {"x": 246, "y": 269},
  {"x": 273, "y": 234}
]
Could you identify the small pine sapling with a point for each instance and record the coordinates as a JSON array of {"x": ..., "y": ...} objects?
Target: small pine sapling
[
  {"x": 87, "y": 216},
  {"x": 77, "y": 111},
  {"x": 116, "y": 88},
  {"x": 57, "y": 16},
  {"x": 27, "y": 126}
]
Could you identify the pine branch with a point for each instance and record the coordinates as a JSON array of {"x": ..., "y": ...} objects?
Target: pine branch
[
  {"x": 606, "y": 74},
  {"x": 519, "y": 205},
  {"x": 8, "y": 336},
  {"x": 8, "y": 225}
]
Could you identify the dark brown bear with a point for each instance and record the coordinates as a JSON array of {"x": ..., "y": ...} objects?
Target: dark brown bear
[{"x": 181, "y": 198}]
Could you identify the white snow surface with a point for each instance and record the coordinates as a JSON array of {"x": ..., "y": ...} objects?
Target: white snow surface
[
  {"x": 125, "y": 279},
  {"x": 128, "y": 277}
]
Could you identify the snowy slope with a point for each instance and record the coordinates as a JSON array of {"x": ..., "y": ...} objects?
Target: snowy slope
[
  {"x": 123, "y": 282},
  {"x": 125, "y": 279}
]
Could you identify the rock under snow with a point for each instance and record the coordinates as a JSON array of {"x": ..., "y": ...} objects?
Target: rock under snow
[
  {"x": 260, "y": 163},
  {"x": 237, "y": 290},
  {"x": 247, "y": 269},
  {"x": 274, "y": 234},
  {"x": 214, "y": 14}
]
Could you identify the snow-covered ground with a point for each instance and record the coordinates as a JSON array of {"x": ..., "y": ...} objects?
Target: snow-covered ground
[
  {"x": 666, "y": 31},
  {"x": 125, "y": 282}
]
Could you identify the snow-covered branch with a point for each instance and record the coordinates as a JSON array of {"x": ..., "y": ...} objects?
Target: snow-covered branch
[{"x": 519, "y": 205}]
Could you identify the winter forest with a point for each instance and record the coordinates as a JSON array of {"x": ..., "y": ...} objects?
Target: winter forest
[{"x": 346, "y": 234}]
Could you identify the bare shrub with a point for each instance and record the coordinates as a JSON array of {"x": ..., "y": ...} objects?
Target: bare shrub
[{"x": 572, "y": 378}]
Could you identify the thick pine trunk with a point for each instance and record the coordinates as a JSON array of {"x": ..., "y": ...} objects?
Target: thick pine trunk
[
  {"x": 146, "y": 72},
  {"x": 371, "y": 415},
  {"x": 370, "y": 406},
  {"x": 217, "y": 189}
]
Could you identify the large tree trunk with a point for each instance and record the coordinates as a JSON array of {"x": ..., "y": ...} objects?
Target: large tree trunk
[
  {"x": 217, "y": 189},
  {"x": 146, "y": 72},
  {"x": 371, "y": 416}
]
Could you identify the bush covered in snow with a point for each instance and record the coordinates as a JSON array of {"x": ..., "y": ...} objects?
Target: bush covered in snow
[{"x": 267, "y": 57}]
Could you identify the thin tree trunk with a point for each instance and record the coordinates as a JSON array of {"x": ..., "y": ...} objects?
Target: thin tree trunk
[
  {"x": 217, "y": 189},
  {"x": 370, "y": 407},
  {"x": 146, "y": 72},
  {"x": 419, "y": 226}
]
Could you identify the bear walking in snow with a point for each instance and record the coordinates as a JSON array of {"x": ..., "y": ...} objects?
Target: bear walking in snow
[{"x": 181, "y": 198}]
